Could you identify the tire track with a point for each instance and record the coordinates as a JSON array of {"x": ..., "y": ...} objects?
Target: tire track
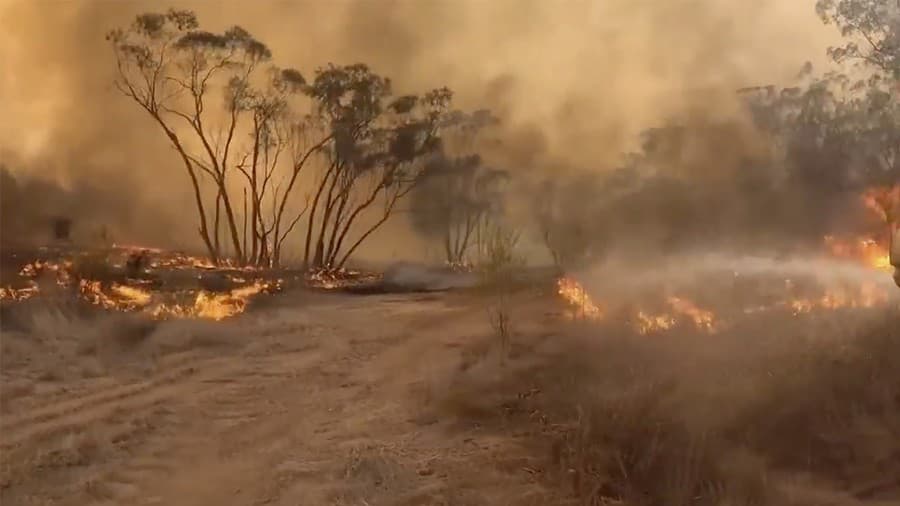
[
  {"x": 233, "y": 416},
  {"x": 55, "y": 405},
  {"x": 104, "y": 404}
]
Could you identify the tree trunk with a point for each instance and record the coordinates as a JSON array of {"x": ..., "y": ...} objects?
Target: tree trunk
[
  {"x": 312, "y": 216},
  {"x": 331, "y": 252},
  {"x": 356, "y": 212},
  {"x": 232, "y": 224},
  {"x": 320, "y": 261},
  {"x": 254, "y": 248},
  {"x": 244, "y": 216},
  {"x": 448, "y": 251},
  {"x": 195, "y": 183},
  {"x": 362, "y": 238},
  {"x": 217, "y": 221}
]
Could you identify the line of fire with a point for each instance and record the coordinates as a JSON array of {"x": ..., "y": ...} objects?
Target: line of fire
[{"x": 169, "y": 284}]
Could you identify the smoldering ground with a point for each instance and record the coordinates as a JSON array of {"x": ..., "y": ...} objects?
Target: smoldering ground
[{"x": 574, "y": 83}]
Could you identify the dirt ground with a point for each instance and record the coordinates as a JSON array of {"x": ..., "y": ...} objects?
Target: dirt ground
[
  {"x": 318, "y": 400},
  {"x": 314, "y": 399}
]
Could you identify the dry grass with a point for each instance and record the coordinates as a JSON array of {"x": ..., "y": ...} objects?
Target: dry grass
[
  {"x": 57, "y": 339},
  {"x": 754, "y": 416}
]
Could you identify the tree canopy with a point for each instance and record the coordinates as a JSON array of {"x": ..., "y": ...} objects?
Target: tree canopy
[{"x": 228, "y": 110}]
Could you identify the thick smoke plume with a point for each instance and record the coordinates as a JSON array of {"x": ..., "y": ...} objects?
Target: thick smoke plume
[{"x": 573, "y": 83}]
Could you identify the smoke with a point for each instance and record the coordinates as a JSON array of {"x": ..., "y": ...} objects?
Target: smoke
[{"x": 573, "y": 82}]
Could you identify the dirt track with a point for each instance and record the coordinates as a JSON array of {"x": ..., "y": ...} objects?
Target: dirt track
[{"x": 319, "y": 403}]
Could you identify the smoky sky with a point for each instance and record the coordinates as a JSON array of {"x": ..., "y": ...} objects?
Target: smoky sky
[{"x": 574, "y": 82}]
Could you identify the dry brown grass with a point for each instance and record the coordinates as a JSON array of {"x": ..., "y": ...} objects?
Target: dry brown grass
[
  {"x": 774, "y": 412},
  {"x": 60, "y": 338}
]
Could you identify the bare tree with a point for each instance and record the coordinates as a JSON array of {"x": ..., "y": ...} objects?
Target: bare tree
[
  {"x": 378, "y": 151},
  {"x": 168, "y": 66},
  {"x": 369, "y": 146},
  {"x": 276, "y": 136}
]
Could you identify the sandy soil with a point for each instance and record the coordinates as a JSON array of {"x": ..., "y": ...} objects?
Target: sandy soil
[{"x": 316, "y": 400}]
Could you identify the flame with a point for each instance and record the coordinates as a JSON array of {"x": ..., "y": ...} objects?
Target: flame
[
  {"x": 702, "y": 318},
  {"x": 162, "y": 259},
  {"x": 884, "y": 201},
  {"x": 330, "y": 279},
  {"x": 677, "y": 310},
  {"x": 654, "y": 323},
  {"x": 865, "y": 250},
  {"x": 59, "y": 269},
  {"x": 214, "y": 306},
  {"x": 866, "y": 295},
  {"x": 576, "y": 296},
  {"x": 133, "y": 297},
  {"x": 9, "y": 293}
]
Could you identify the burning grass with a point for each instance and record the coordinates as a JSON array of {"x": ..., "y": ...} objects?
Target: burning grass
[
  {"x": 775, "y": 288},
  {"x": 717, "y": 298},
  {"x": 157, "y": 283},
  {"x": 339, "y": 278},
  {"x": 776, "y": 410},
  {"x": 128, "y": 279}
]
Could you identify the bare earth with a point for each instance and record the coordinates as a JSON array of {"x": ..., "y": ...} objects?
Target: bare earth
[
  {"x": 336, "y": 399},
  {"x": 316, "y": 401}
]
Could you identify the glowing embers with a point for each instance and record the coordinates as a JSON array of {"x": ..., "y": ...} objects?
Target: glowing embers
[
  {"x": 11, "y": 293},
  {"x": 338, "y": 278},
  {"x": 865, "y": 295}
]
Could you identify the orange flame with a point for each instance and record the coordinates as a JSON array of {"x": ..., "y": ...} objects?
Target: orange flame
[
  {"x": 684, "y": 311},
  {"x": 576, "y": 296},
  {"x": 214, "y": 306},
  {"x": 127, "y": 297},
  {"x": 884, "y": 201},
  {"x": 865, "y": 250}
]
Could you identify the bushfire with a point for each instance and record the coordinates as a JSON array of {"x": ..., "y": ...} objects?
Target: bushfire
[
  {"x": 680, "y": 310},
  {"x": 677, "y": 310},
  {"x": 137, "y": 286},
  {"x": 869, "y": 252}
]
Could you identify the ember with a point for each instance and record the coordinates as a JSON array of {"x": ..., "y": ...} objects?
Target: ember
[{"x": 338, "y": 278}]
